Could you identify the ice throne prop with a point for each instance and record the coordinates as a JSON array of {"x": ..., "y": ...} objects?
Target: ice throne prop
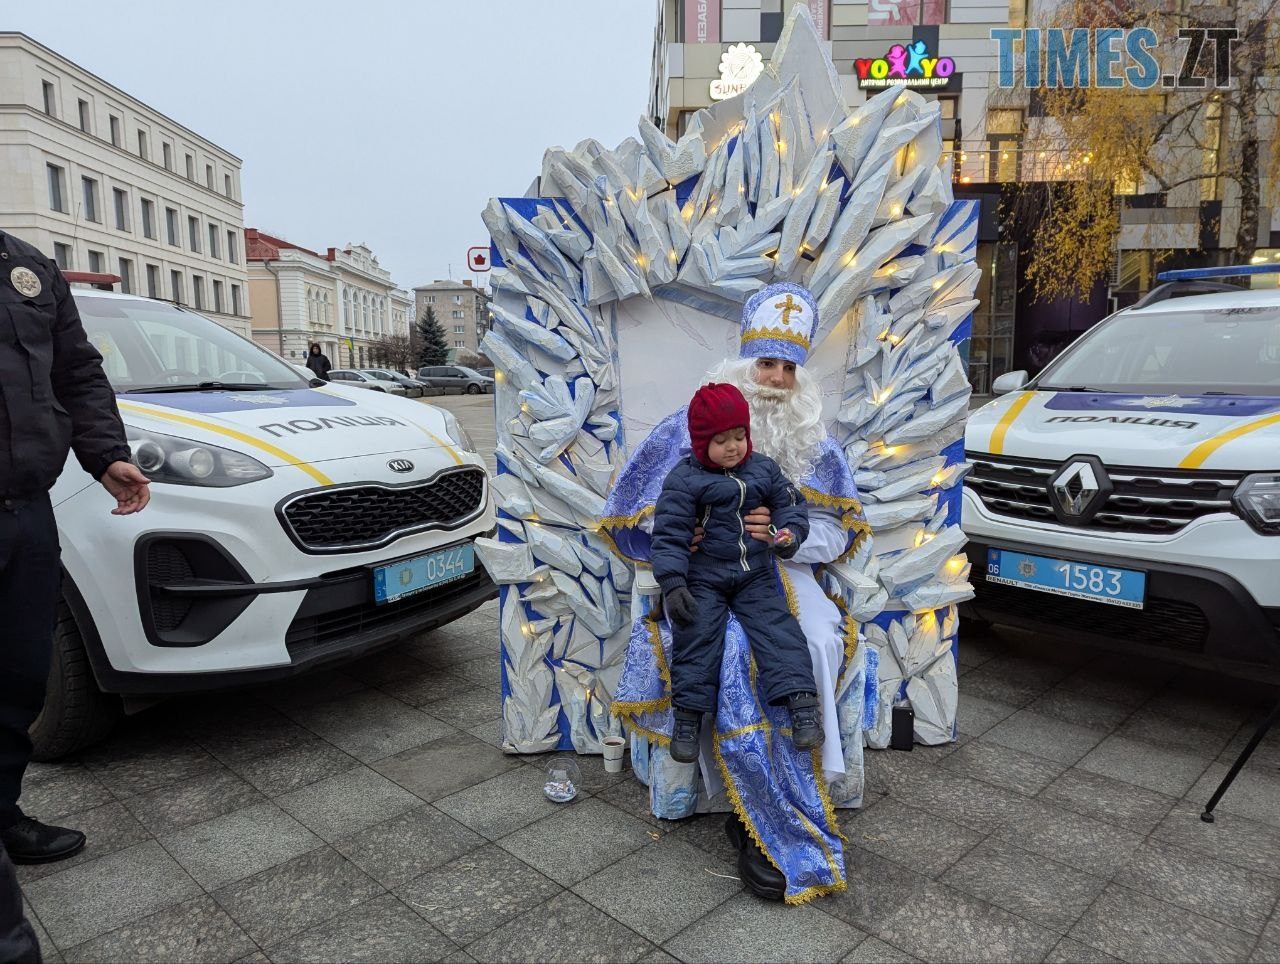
[{"x": 619, "y": 280}]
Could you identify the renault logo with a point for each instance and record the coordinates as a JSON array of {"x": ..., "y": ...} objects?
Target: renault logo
[
  {"x": 400, "y": 465},
  {"x": 1079, "y": 489}
]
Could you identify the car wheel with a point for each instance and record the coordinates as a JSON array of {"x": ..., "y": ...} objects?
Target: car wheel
[
  {"x": 473, "y": 389},
  {"x": 76, "y": 713}
]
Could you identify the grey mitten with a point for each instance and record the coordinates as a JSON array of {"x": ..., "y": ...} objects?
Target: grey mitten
[{"x": 679, "y": 606}]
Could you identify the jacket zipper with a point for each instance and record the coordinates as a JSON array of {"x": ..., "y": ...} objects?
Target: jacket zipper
[{"x": 742, "y": 528}]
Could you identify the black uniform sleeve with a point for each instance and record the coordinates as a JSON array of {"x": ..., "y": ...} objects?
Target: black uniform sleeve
[
  {"x": 787, "y": 509},
  {"x": 673, "y": 521},
  {"x": 81, "y": 387}
]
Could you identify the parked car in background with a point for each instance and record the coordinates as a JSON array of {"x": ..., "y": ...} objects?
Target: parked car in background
[
  {"x": 412, "y": 387},
  {"x": 359, "y": 379},
  {"x": 487, "y": 372},
  {"x": 455, "y": 379}
]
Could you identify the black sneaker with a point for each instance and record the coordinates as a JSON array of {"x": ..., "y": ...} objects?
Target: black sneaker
[
  {"x": 684, "y": 736},
  {"x": 32, "y": 842},
  {"x": 806, "y": 721}
]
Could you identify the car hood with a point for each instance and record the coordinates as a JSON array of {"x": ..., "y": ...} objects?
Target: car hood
[
  {"x": 1167, "y": 431},
  {"x": 284, "y": 427}
]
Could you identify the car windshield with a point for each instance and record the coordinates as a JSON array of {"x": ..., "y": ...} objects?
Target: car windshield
[
  {"x": 154, "y": 346},
  {"x": 1224, "y": 351}
]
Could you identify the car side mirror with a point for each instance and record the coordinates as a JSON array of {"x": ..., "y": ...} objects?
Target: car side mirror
[{"x": 1009, "y": 382}]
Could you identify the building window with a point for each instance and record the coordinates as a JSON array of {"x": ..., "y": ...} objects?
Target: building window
[
  {"x": 208, "y": 176},
  {"x": 50, "y": 98},
  {"x": 153, "y": 281},
  {"x": 899, "y": 13},
  {"x": 193, "y": 233},
  {"x": 459, "y": 344},
  {"x": 213, "y": 241},
  {"x": 97, "y": 264},
  {"x": 167, "y": 151},
  {"x": 235, "y": 299},
  {"x": 142, "y": 145},
  {"x": 121, "y": 208},
  {"x": 171, "y": 226},
  {"x": 197, "y": 290},
  {"x": 90, "y": 187},
  {"x": 191, "y": 168},
  {"x": 62, "y": 255},
  {"x": 148, "y": 219},
  {"x": 232, "y": 254},
  {"x": 114, "y": 123},
  {"x": 217, "y": 296},
  {"x": 57, "y": 188},
  {"x": 431, "y": 299},
  {"x": 175, "y": 287},
  {"x": 459, "y": 330},
  {"x": 126, "y": 276},
  {"x": 457, "y": 299},
  {"x": 226, "y": 184},
  {"x": 458, "y": 314},
  {"x": 82, "y": 108}
]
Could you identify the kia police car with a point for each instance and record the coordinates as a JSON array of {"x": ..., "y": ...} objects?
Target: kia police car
[
  {"x": 1129, "y": 496},
  {"x": 292, "y": 522}
]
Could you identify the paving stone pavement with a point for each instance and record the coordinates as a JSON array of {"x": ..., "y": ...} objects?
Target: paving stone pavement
[{"x": 366, "y": 814}]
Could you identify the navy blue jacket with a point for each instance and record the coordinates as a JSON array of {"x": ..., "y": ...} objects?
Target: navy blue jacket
[{"x": 717, "y": 499}]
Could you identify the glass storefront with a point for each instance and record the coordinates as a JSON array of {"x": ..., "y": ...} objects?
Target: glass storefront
[{"x": 991, "y": 346}]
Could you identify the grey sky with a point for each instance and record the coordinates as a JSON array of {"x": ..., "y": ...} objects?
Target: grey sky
[{"x": 390, "y": 123}]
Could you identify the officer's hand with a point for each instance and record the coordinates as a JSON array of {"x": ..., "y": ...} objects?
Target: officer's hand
[
  {"x": 698, "y": 533},
  {"x": 680, "y": 606},
  {"x": 757, "y": 524},
  {"x": 128, "y": 486}
]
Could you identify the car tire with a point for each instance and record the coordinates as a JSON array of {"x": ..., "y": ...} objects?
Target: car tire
[
  {"x": 76, "y": 713},
  {"x": 473, "y": 389}
]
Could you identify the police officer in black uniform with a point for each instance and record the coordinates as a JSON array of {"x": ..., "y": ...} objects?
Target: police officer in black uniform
[{"x": 54, "y": 397}]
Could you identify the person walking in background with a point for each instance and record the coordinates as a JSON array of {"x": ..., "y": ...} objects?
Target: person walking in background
[
  {"x": 54, "y": 397},
  {"x": 318, "y": 362}
]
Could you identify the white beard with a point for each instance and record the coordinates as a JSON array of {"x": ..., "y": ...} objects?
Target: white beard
[{"x": 786, "y": 424}]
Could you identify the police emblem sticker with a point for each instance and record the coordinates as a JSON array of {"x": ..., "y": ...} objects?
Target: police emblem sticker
[{"x": 25, "y": 281}]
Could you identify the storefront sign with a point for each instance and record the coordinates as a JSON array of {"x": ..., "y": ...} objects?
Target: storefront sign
[
  {"x": 702, "y": 21},
  {"x": 909, "y": 66},
  {"x": 818, "y": 10},
  {"x": 740, "y": 65}
]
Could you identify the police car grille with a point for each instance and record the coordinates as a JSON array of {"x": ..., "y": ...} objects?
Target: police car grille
[
  {"x": 1144, "y": 501},
  {"x": 367, "y": 516}
]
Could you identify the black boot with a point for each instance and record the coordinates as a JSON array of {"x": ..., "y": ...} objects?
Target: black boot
[
  {"x": 806, "y": 720},
  {"x": 755, "y": 870},
  {"x": 32, "y": 842},
  {"x": 684, "y": 735}
]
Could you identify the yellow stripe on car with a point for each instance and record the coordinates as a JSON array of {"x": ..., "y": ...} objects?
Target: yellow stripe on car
[
  {"x": 230, "y": 433},
  {"x": 1006, "y": 420},
  {"x": 1200, "y": 454}
]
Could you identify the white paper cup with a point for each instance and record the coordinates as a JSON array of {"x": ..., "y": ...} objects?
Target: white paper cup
[{"x": 614, "y": 748}]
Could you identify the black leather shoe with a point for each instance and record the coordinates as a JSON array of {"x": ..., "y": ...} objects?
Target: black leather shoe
[
  {"x": 32, "y": 842},
  {"x": 806, "y": 721},
  {"x": 736, "y": 832},
  {"x": 684, "y": 735},
  {"x": 761, "y": 877}
]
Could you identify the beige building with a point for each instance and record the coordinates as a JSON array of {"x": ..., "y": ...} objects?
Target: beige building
[
  {"x": 461, "y": 309},
  {"x": 342, "y": 299},
  {"x": 101, "y": 182}
]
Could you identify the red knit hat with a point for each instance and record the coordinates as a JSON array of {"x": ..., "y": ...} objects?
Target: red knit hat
[{"x": 716, "y": 408}]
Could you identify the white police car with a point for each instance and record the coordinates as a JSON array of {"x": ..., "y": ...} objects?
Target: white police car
[
  {"x": 1129, "y": 495},
  {"x": 292, "y": 523}
]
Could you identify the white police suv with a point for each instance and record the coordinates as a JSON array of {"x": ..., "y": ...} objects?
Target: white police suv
[
  {"x": 292, "y": 523},
  {"x": 1129, "y": 496}
]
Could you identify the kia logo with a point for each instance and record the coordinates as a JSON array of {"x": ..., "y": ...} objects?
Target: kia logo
[{"x": 400, "y": 465}]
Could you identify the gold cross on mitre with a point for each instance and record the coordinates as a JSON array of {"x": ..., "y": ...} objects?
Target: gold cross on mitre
[{"x": 788, "y": 305}]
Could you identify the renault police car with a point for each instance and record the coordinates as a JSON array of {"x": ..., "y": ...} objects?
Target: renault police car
[
  {"x": 292, "y": 522},
  {"x": 1129, "y": 496}
]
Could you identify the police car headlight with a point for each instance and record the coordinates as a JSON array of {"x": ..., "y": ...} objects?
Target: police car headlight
[
  {"x": 459, "y": 434},
  {"x": 1257, "y": 498},
  {"x": 164, "y": 458}
]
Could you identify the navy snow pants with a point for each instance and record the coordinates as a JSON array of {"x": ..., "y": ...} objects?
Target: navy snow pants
[{"x": 778, "y": 643}]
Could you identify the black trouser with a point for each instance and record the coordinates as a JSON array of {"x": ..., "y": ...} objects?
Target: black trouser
[
  {"x": 781, "y": 652},
  {"x": 30, "y": 580},
  {"x": 17, "y": 939}
]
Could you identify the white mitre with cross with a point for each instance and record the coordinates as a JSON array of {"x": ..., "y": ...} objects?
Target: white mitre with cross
[{"x": 779, "y": 322}]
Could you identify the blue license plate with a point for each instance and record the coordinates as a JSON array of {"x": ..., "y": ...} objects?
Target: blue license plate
[
  {"x": 1079, "y": 580},
  {"x": 410, "y": 576}
]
